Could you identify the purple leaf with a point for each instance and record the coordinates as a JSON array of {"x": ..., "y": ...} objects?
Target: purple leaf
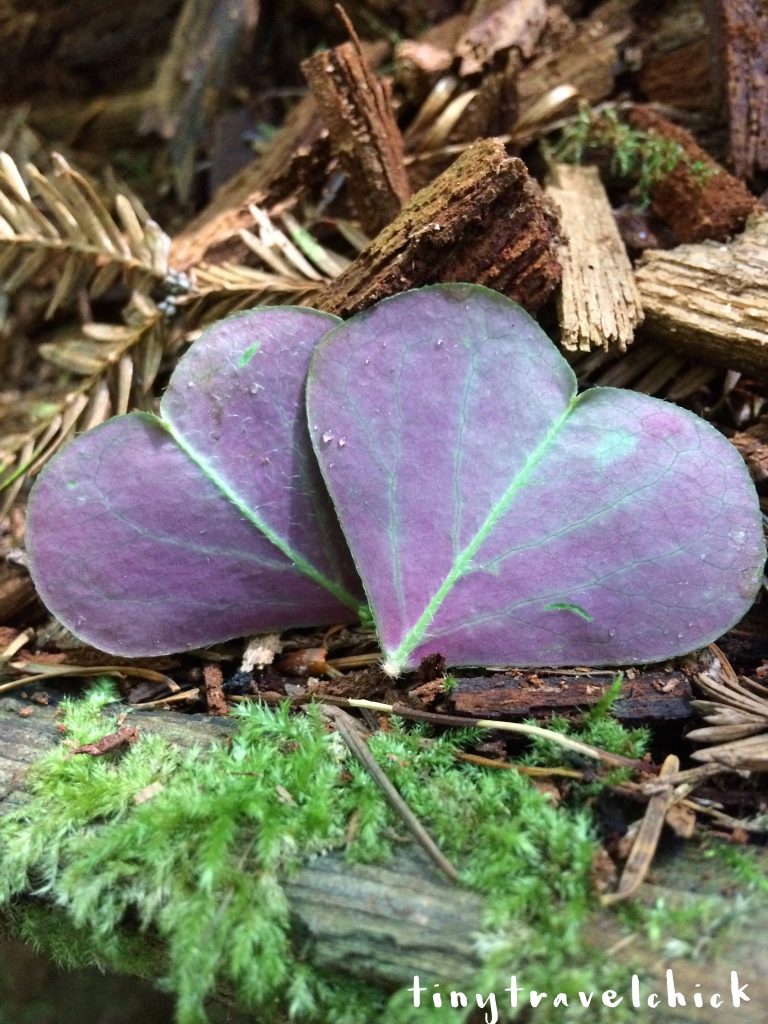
[
  {"x": 149, "y": 535},
  {"x": 498, "y": 519}
]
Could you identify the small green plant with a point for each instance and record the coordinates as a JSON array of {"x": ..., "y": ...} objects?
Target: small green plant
[{"x": 642, "y": 156}]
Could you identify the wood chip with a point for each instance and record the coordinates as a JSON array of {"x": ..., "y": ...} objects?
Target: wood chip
[
  {"x": 710, "y": 301},
  {"x": 496, "y": 25},
  {"x": 599, "y": 304},
  {"x": 118, "y": 740},
  {"x": 698, "y": 199},
  {"x": 483, "y": 220},
  {"x": 744, "y": 40},
  {"x": 587, "y": 59},
  {"x": 214, "y": 693},
  {"x": 356, "y": 107}
]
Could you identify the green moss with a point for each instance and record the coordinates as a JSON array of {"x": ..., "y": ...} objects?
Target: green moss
[
  {"x": 195, "y": 870},
  {"x": 640, "y": 156}
]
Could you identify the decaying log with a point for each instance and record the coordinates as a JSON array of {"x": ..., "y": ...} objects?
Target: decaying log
[
  {"x": 599, "y": 305},
  {"x": 385, "y": 923},
  {"x": 711, "y": 301},
  {"x": 675, "y": 37},
  {"x": 588, "y": 59},
  {"x": 295, "y": 155},
  {"x": 483, "y": 220},
  {"x": 698, "y": 199},
  {"x": 356, "y": 107},
  {"x": 743, "y": 33},
  {"x": 644, "y": 696}
]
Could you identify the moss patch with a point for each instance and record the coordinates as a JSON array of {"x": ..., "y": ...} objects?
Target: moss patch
[{"x": 197, "y": 867}]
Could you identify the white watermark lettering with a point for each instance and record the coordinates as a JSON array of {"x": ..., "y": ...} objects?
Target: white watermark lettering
[{"x": 638, "y": 994}]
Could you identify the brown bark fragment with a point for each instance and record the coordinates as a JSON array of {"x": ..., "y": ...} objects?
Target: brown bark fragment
[
  {"x": 648, "y": 696},
  {"x": 599, "y": 305},
  {"x": 753, "y": 446},
  {"x": 496, "y": 25},
  {"x": 587, "y": 60},
  {"x": 483, "y": 220},
  {"x": 708, "y": 203},
  {"x": 710, "y": 300},
  {"x": 744, "y": 39},
  {"x": 17, "y": 592},
  {"x": 419, "y": 63},
  {"x": 356, "y": 107},
  {"x": 676, "y": 36},
  {"x": 215, "y": 700},
  {"x": 118, "y": 740},
  {"x": 294, "y": 156}
]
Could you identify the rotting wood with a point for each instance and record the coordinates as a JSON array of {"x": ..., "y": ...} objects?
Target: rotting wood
[
  {"x": 588, "y": 59},
  {"x": 356, "y": 107},
  {"x": 386, "y": 922},
  {"x": 483, "y": 220},
  {"x": 598, "y": 305},
  {"x": 710, "y": 301},
  {"x": 647, "y": 696},
  {"x": 698, "y": 199},
  {"x": 743, "y": 36}
]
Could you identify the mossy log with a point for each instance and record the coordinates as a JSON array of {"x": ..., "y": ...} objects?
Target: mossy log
[{"x": 386, "y": 923}]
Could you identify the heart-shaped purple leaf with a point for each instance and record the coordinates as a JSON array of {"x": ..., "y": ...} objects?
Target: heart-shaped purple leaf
[
  {"x": 497, "y": 518},
  {"x": 149, "y": 535}
]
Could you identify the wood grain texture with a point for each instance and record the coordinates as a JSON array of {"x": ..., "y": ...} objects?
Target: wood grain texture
[
  {"x": 483, "y": 220},
  {"x": 599, "y": 304},
  {"x": 710, "y": 301}
]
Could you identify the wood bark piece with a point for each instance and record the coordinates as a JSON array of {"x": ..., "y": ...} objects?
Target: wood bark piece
[
  {"x": 677, "y": 36},
  {"x": 599, "y": 305},
  {"x": 648, "y": 696},
  {"x": 710, "y": 301},
  {"x": 587, "y": 59},
  {"x": 483, "y": 220},
  {"x": 357, "y": 110},
  {"x": 297, "y": 154},
  {"x": 753, "y": 446},
  {"x": 386, "y": 922},
  {"x": 744, "y": 38},
  {"x": 496, "y": 25},
  {"x": 698, "y": 199}
]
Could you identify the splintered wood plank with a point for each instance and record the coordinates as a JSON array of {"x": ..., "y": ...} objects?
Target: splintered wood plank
[
  {"x": 744, "y": 42},
  {"x": 356, "y": 107},
  {"x": 711, "y": 301},
  {"x": 483, "y": 220},
  {"x": 698, "y": 199},
  {"x": 599, "y": 304}
]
